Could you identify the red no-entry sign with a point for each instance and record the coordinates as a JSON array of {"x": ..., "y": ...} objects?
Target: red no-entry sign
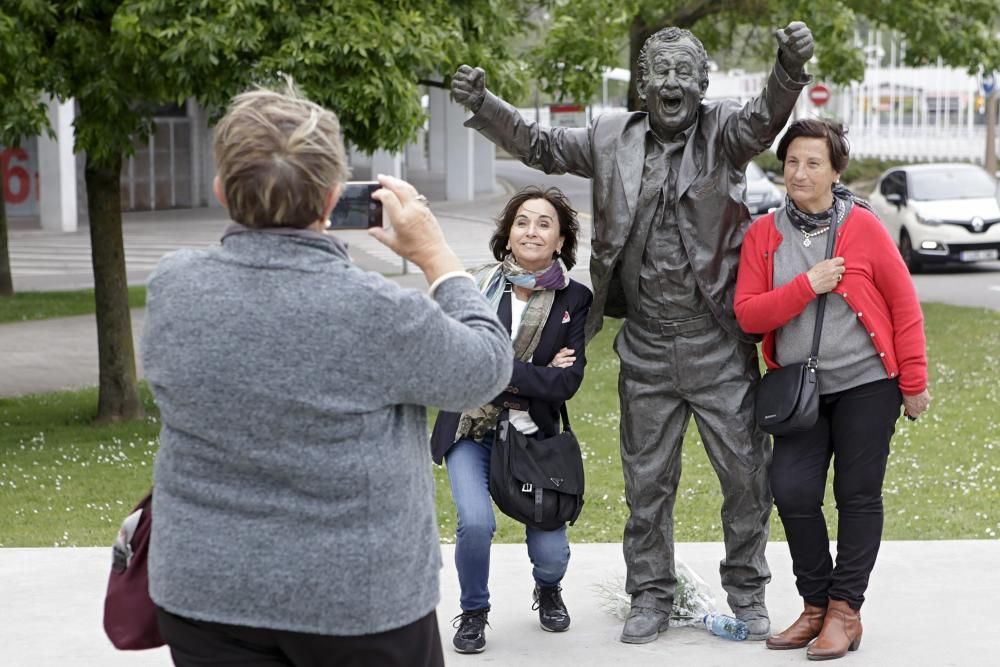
[{"x": 819, "y": 94}]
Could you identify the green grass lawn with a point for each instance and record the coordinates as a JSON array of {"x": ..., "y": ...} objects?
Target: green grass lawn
[
  {"x": 44, "y": 305},
  {"x": 66, "y": 482}
]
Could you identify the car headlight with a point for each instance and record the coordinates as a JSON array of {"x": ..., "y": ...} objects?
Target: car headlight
[{"x": 932, "y": 222}]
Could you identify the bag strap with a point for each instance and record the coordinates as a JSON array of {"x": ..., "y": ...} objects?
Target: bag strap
[{"x": 813, "y": 361}]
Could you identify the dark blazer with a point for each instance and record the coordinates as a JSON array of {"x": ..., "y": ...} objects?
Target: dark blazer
[
  {"x": 534, "y": 386},
  {"x": 710, "y": 183}
]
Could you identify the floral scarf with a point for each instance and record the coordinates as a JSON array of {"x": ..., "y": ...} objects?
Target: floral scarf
[{"x": 492, "y": 280}]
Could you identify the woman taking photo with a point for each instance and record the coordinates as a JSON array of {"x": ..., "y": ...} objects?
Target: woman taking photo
[
  {"x": 294, "y": 503},
  {"x": 545, "y": 311},
  {"x": 872, "y": 358}
]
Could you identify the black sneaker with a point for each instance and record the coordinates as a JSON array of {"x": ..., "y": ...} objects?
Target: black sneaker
[
  {"x": 552, "y": 614},
  {"x": 471, "y": 634}
]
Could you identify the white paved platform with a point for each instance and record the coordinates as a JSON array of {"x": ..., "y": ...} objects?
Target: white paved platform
[{"x": 930, "y": 603}]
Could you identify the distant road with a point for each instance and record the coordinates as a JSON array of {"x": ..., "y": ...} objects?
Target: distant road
[
  {"x": 969, "y": 285},
  {"x": 574, "y": 187}
]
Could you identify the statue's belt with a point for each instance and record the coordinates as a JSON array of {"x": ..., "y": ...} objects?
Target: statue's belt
[{"x": 676, "y": 327}]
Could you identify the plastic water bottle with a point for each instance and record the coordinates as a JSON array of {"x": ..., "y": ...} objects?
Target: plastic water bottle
[{"x": 726, "y": 627}]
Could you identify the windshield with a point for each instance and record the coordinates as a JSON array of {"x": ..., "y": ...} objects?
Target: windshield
[
  {"x": 950, "y": 183},
  {"x": 754, "y": 172}
]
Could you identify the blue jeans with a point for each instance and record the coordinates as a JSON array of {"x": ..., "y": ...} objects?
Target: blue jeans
[{"x": 469, "y": 473}]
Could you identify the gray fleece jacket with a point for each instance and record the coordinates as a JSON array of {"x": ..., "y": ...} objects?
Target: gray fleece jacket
[{"x": 293, "y": 485}]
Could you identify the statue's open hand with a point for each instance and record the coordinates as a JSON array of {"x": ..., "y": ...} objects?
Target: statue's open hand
[
  {"x": 468, "y": 87},
  {"x": 795, "y": 45}
]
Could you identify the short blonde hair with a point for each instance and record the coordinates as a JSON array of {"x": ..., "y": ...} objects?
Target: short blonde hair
[{"x": 277, "y": 155}]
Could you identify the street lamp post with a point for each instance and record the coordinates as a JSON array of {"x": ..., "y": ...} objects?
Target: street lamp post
[
  {"x": 991, "y": 95},
  {"x": 990, "y": 162}
]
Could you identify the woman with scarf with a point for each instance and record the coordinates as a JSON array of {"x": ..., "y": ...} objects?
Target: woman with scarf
[
  {"x": 872, "y": 359},
  {"x": 545, "y": 311}
]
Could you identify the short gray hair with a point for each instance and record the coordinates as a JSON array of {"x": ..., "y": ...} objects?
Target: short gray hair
[{"x": 277, "y": 155}]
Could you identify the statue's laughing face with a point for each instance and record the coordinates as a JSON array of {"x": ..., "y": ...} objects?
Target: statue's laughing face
[{"x": 674, "y": 86}]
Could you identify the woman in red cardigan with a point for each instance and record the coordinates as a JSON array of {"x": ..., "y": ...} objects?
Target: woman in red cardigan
[{"x": 872, "y": 358}]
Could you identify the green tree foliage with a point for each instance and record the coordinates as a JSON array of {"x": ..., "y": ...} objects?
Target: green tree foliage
[
  {"x": 121, "y": 59},
  {"x": 588, "y": 35},
  {"x": 22, "y": 112},
  {"x": 364, "y": 59}
]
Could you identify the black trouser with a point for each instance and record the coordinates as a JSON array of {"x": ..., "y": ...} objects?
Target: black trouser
[
  {"x": 199, "y": 643},
  {"x": 854, "y": 427}
]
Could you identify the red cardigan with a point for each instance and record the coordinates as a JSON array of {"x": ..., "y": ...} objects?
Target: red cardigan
[{"x": 876, "y": 285}]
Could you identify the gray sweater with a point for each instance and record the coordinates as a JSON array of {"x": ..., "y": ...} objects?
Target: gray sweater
[{"x": 293, "y": 485}]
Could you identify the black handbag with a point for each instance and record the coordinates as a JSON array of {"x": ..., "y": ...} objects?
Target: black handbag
[
  {"x": 537, "y": 482},
  {"x": 787, "y": 399}
]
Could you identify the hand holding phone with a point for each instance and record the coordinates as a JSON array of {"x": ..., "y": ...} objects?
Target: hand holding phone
[
  {"x": 356, "y": 209},
  {"x": 413, "y": 232}
]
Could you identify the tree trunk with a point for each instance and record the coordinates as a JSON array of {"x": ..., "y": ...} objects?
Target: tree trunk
[
  {"x": 6, "y": 282},
  {"x": 118, "y": 397}
]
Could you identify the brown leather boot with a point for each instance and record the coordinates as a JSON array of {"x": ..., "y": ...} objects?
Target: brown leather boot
[
  {"x": 841, "y": 633},
  {"x": 805, "y": 628}
]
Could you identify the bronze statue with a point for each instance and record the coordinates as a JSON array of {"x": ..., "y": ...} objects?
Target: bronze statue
[{"x": 668, "y": 223}]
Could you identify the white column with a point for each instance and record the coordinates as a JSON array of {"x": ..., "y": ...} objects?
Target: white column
[
  {"x": 384, "y": 162},
  {"x": 415, "y": 156},
  {"x": 57, "y": 170},
  {"x": 436, "y": 134},
  {"x": 459, "y": 182},
  {"x": 484, "y": 171},
  {"x": 358, "y": 158}
]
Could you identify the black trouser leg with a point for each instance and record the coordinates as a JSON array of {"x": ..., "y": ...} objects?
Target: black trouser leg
[
  {"x": 200, "y": 643},
  {"x": 864, "y": 424},
  {"x": 854, "y": 428}
]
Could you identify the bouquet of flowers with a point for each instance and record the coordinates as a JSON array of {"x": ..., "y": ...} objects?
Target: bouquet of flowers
[{"x": 692, "y": 597}]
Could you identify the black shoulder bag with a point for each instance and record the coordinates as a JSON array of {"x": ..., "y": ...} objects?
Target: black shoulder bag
[
  {"x": 787, "y": 399},
  {"x": 537, "y": 482}
]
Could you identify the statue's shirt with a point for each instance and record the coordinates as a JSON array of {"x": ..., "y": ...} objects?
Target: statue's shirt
[{"x": 656, "y": 272}]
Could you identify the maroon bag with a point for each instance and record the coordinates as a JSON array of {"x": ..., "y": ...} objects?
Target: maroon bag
[{"x": 129, "y": 613}]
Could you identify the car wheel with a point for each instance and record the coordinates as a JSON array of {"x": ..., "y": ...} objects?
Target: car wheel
[{"x": 911, "y": 258}]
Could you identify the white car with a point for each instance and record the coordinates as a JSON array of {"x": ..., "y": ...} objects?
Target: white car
[{"x": 940, "y": 213}]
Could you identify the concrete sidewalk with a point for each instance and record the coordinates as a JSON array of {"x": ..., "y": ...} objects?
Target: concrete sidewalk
[{"x": 930, "y": 603}]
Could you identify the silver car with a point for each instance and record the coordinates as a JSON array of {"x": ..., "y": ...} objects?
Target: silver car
[{"x": 761, "y": 196}]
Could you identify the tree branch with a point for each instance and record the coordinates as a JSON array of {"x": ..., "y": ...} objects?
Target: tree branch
[
  {"x": 687, "y": 16},
  {"x": 446, "y": 83}
]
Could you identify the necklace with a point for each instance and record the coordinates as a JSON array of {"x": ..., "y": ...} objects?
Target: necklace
[{"x": 806, "y": 236}]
